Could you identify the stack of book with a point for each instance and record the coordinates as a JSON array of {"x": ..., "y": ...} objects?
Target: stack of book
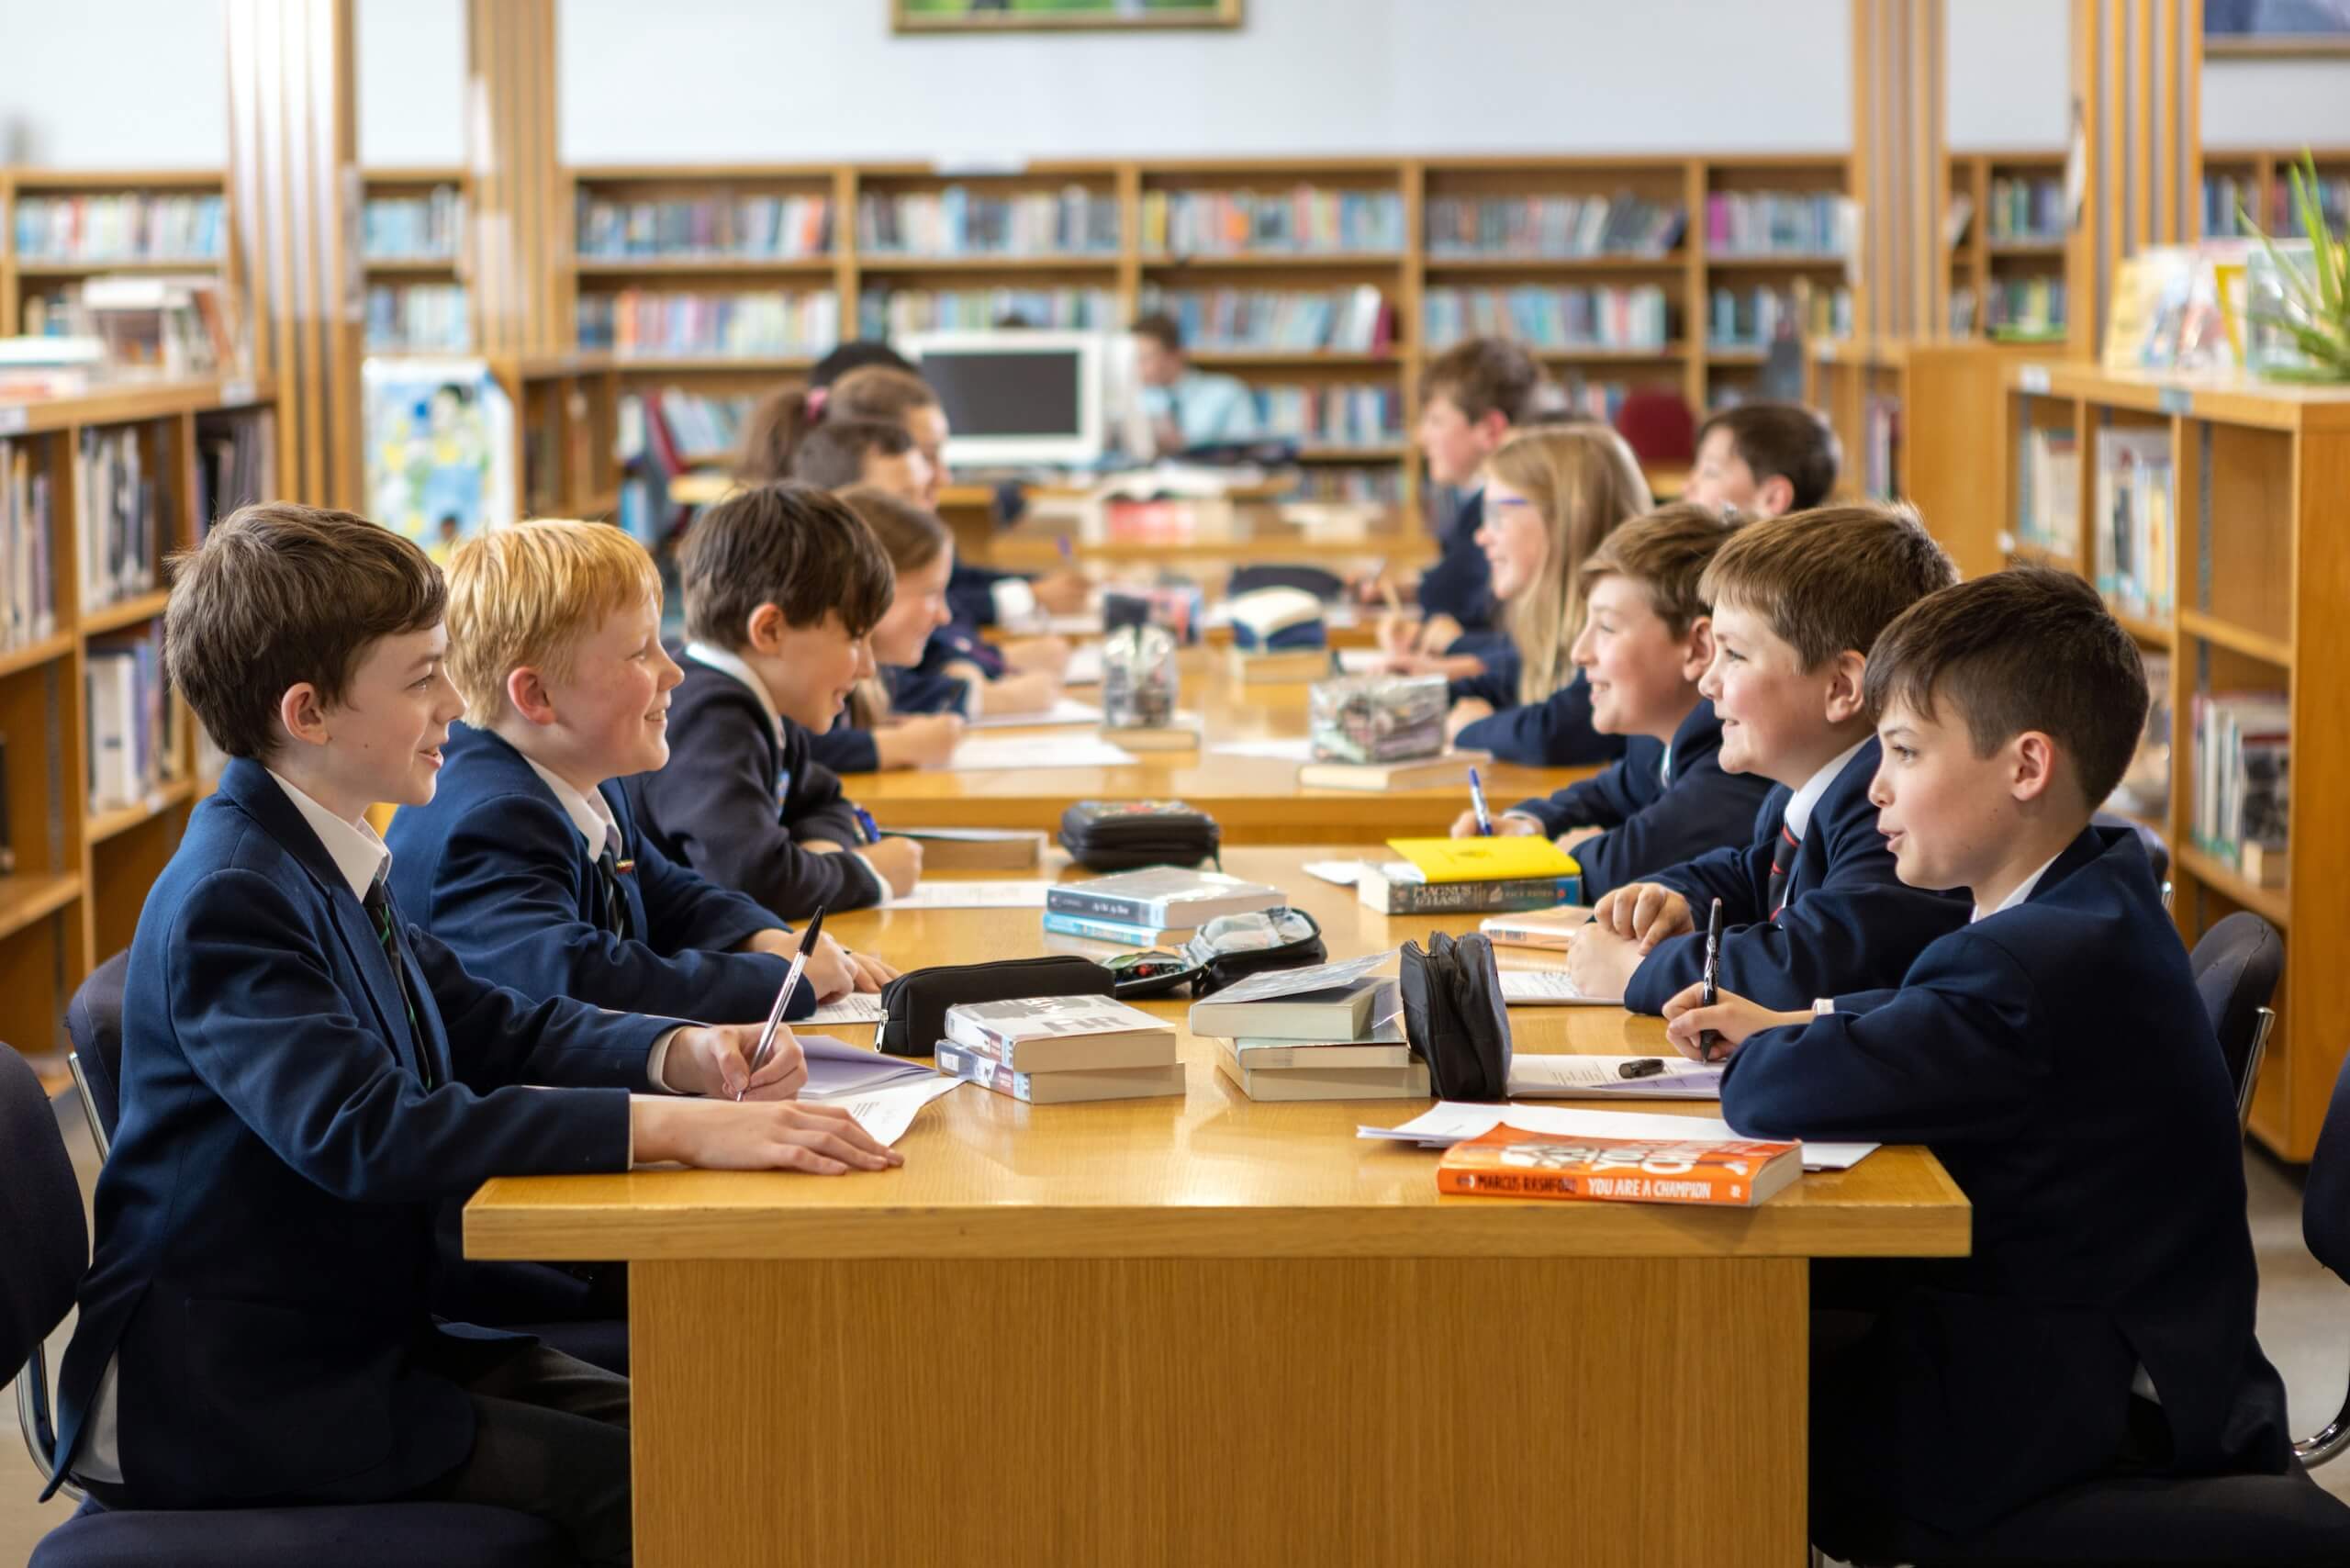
[
  {"x": 2050, "y": 518},
  {"x": 776, "y": 226},
  {"x": 118, "y": 516},
  {"x": 1350, "y": 320},
  {"x": 422, "y": 228},
  {"x": 958, "y": 221},
  {"x": 1160, "y": 906},
  {"x": 1779, "y": 223},
  {"x": 1749, "y": 318},
  {"x": 660, "y": 322},
  {"x": 2225, "y": 199},
  {"x": 2133, "y": 525},
  {"x": 1056, "y": 1050},
  {"x": 1470, "y": 876},
  {"x": 1304, "y": 220},
  {"x": 894, "y": 312},
  {"x": 419, "y": 316},
  {"x": 1550, "y": 318},
  {"x": 1533, "y": 226},
  {"x": 1343, "y": 1042},
  {"x": 2243, "y": 745},
  {"x": 699, "y": 426},
  {"x": 27, "y": 545},
  {"x": 236, "y": 461},
  {"x": 2025, "y": 309},
  {"x": 2028, "y": 209}
]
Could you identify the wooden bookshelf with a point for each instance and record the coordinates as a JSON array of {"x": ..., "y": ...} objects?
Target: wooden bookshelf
[
  {"x": 2264, "y": 170},
  {"x": 80, "y": 875},
  {"x": 1983, "y": 255},
  {"x": 33, "y": 279},
  {"x": 2256, "y": 565},
  {"x": 447, "y": 267}
]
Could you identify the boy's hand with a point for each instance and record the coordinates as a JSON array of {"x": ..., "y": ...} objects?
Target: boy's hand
[
  {"x": 718, "y": 1135},
  {"x": 872, "y": 974},
  {"x": 1398, "y": 634},
  {"x": 715, "y": 1059},
  {"x": 898, "y": 862},
  {"x": 1645, "y": 913},
  {"x": 1037, "y": 655},
  {"x": 1465, "y": 713},
  {"x": 1064, "y": 592},
  {"x": 1572, "y": 837},
  {"x": 1601, "y": 963},
  {"x": 924, "y": 741},
  {"x": 1732, "y": 1017},
  {"x": 1505, "y": 827},
  {"x": 1439, "y": 632},
  {"x": 829, "y": 970},
  {"x": 1018, "y": 694}
]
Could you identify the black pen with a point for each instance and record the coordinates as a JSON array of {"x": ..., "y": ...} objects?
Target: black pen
[
  {"x": 783, "y": 997},
  {"x": 1709, "y": 989}
]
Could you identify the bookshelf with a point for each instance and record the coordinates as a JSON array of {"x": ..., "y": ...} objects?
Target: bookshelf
[
  {"x": 2257, "y": 177},
  {"x": 2013, "y": 240},
  {"x": 2254, "y": 568},
  {"x": 168, "y": 230},
  {"x": 414, "y": 229},
  {"x": 82, "y": 867}
]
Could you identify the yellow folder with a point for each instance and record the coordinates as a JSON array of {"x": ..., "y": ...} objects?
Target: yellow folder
[{"x": 1485, "y": 859}]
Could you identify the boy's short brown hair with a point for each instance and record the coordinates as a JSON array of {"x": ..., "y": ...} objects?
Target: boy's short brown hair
[
  {"x": 2031, "y": 648},
  {"x": 1783, "y": 440},
  {"x": 832, "y": 456},
  {"x": 277, "y": 595},
  {"x": 1160, "y": 329},
  {"x": 1666, "y": 551},
  {"x": 527, "y": 594},
  {"x": 1828, "y": 580},
  {"x": 790, "y": 546},
  {"x": 1483, "y": 375},
  {"x": 911, "y": 535}
]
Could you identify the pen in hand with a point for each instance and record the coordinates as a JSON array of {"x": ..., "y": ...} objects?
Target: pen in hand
[
  {"x": 1477, "y": 799},
  {"x": 782, "y": 997},
  {"x": 1709, "y": 992}
]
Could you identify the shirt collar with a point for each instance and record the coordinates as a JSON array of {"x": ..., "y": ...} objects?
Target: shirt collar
[
  {"x": 726, "y": 662},
  {"x": 1807, "y": 800},
  {"x": 588, "y": 812},
  {"x": 354, "y": 847},
  {"x": 1664, "y": 767},
  {"x": 2023, "y": 891}
]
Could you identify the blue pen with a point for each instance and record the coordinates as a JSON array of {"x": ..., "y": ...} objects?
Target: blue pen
[
  {"x": 1477, "y": 799},
  {"x": 1069, "y": 553},
  {"x": 864, "y": 820}
]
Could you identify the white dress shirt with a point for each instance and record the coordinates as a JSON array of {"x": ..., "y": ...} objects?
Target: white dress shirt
[{"x": 1807, "y": 800}]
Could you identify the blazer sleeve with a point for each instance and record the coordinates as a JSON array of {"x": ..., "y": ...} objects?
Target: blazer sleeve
[
  {"x": 928, "y": 689},
  {"x": 970, "y": 592},
  {"x": 1553, "y": 733},
  {"x": 1700, "y": 815},
  {"x": 715, "y": 801},
  {"x": 1852, "y": 932},
  {"x": 507, "y": 902},
  {"x": 816, "y": 806},
  {"x": 690, "y": 914},
  {"x": 1458, "y": 585},
  {"x": 263, "y": 1023},
  {"x": 1493, "y": 649},
  {"x": 1604, "y": 800},
  {"x": 845, "y": 748}
]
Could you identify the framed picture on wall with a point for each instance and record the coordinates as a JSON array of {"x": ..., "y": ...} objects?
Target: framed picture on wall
[
  {"x": 2275, "y": 26},
  {"x": 1025, "y": 15}
]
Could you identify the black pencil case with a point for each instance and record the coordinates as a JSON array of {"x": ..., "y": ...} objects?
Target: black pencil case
[
  {"x": 914, "y": 1006},
  {"x": 1119, "y": 835},
  {"x": 1454, "y": 1016}
]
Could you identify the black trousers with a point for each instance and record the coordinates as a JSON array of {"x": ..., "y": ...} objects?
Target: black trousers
[{"x": 550, "y": 1438}]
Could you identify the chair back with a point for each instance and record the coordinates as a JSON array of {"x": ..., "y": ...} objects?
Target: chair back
[
  {"x": 94, "y": 1019},
  {"x": 1658, "y": 426},
  {"x": 43, "y": 1233},
  {"x": 2236, "y": 966}
]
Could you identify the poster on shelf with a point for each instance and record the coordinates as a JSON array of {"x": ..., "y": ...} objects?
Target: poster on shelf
[{"x": 440, "y": 445}]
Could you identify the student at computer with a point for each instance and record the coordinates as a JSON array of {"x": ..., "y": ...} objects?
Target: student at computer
[
  {"x": 1646, "y": 638},
  {"x": 1187, "y": 406},
  {"x": 306, "y": 1076},
  {"x": 2054, "y": 1055},
  {"x": 1764, "y": 459}
]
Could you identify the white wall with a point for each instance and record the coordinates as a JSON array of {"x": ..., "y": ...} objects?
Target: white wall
[
  {"x": 2277, "y": 103},
  {"x": 411, "y": 82},
  {"x": 2010, "y": 82},
  {"x": 109, "y": 84}
]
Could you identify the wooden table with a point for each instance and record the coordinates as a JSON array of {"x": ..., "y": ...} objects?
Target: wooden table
[
  {"x": 1207, "y": 1330},
  {"x": 1254, "y": 800},
  {"x": 1330, "y": 534}
]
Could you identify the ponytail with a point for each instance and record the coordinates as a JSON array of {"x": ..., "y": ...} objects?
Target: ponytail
[{"x": 771, "y": 436}]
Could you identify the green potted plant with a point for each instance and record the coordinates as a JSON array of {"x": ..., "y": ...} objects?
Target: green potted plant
[{"x": 2297, "y": 304}]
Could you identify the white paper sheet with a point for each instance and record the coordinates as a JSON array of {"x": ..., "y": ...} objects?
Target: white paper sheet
[
  {"x": 1297, "y": 749},
  {"x": 1043, "y": 751},
  {"x": 856, "y": 1007},
  {"x": 838, "y": 1070},
  {"x": 1065, "y": 710},
  {"x": 1361, "y": 661},
  {"x": 887, "y": 1113},
  {"x": 1084, "y": 666},
  {"x": 944, "y": 895},
  {"x": 1451, "y": 1120},
  {"x": 1344, "y": 873},
  {"x": 1563, "y": 1075},
  {"x": 1549, "y": 988}
]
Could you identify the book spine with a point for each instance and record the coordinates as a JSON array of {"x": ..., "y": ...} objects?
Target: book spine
[
  {"x": 1102, "y": 930},
  {"x": 1471, "y": 898},
  {"x": 1145, "y": 913},
  {"x": 972, "y": 1068}
]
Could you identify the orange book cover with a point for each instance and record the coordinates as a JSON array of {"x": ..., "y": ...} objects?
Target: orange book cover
[{"x": 1510, "y": 1162}]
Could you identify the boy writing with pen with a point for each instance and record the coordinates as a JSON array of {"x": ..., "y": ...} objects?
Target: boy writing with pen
[{"x": 2053, "y": 1053}]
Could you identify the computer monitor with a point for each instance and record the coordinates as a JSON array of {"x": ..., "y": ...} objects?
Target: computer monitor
[{"x": 1015, "y": 397}]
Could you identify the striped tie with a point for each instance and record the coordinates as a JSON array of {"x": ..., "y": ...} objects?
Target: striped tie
[
  {"x": 608, "y": 877},
  {"x": 379, "y": 905},
  {"x": 1783, "y": 850}
]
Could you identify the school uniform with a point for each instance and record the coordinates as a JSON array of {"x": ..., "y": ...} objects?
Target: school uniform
[
  {"x": 927, "y": 687},
  {"x": 742, "y": 789},
  {"x": 981, "y": 596},
  {"x": 2054, "y": 1056},
  {"x": 1554, "y": 732},
  {"x": 1810, "y": 907},
  {"x": 536, "y": 886},
  {"x": 305, "y": 1076},
  {"x": 1461, "y": 583},
  {"x": 1662, "y": 804}
]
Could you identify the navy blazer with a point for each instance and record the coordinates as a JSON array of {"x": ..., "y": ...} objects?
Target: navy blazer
[
  {"x": 2057, "y": 1059},
  {"x": 1553, "y": 733},
  {"x": 495, "y": 868},
  {"x": 970, "y": 592},
  {"x": 1849, "y": 923},
  {"x": 737, "y": 798},
  {"x": 264, "y": 1221},
  {"x": 1653, "y": 823},
  {"x": 1460, "y": 582}
]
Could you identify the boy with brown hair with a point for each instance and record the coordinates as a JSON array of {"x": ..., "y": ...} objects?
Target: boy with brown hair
[
  {"x": 1765, "y": 459},
  {"x": 1646, "y": 639},
  {"x": 2054, "y": 1054},
  {"x": 1812, "y": 906},
  {"x": 304, "y": 1077}
]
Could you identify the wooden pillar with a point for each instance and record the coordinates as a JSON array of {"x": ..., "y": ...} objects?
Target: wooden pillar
[
  {"x": 1900, "y": 169},
  {"x": 294, "y": 257},
  {"x": 2137, "y": 153},
  {"x": 521, "y": 215}
]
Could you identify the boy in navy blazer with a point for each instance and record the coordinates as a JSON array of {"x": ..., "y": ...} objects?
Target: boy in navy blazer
[
  {"x": 527, "y": 862},
  {"x": 304, "y": 1077},
  {"x": 1646, "y": 639},
  {"x": 1812, "y": 905},
  {"x": 2055, "y": 1056}
]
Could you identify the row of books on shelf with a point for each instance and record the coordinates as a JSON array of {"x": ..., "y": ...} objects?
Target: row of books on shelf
[
  {"x": 1302, "y": 220},
  {"x": 1547, "y": 225},
  {"x": 2049, "y": 501},
  {"x": 133, "y": 741},
  {"x": 1879, "y": 455},
  {"x": 2228, "y": 198},
  {"x": 766, "y": 324},
  {"x": 133, "y": 226},
  {"x": 173, "y": 324},
  {"x": 1797, "y": 223},
  {"x": 2018, "y": 309},
  {"x": 2133, "y": 523},
  {"x": 959, "y": 222},
  {"x": 1347, "y": 320},
  {"x": 430, "y": 227},
  {"x": 419, "y": 316},
  {"x": 1748, "y": 317},
  {"x": 894, "y": 312},
  {"x": 1546, "y": 317},
  {"x": 2027, "y": 210},
  {"x": 1381, "y": 484},
  {"x": 236, "y": 461},
  {"x": 2243, "y": 743},
  {"x": 780, "y": 227},
  {"x": 120, "y": 507},
  {"x": 1330, "y": 415},
  {"x": 699, "y": 426},
  {"x": 28, "y": 569}
]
